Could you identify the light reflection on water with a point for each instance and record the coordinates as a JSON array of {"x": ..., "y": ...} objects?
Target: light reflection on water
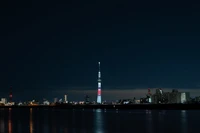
[
  {"x": 2, "y": 122},
  {"x": 94, "y": 121},
  {"x": 149, "y": 121},
  {"x": 10, "y": 121},
  {"x": 99, "y": 121},
  {"x": 184, "y": 121},
  {"x": 31, "y": 120}
]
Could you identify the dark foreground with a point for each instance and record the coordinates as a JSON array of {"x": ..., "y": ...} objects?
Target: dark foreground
[
  {"x": 135, "y": 106},
  {"x": 42, "y": 120}
]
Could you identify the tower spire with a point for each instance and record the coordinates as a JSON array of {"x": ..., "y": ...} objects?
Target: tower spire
[
  {"x": 99, "y": 73},
  {"x": 99, "y": 86},
  {"x": 99, "y": 66}
]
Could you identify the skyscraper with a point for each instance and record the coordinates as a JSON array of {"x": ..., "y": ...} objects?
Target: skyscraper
[
  {"x": 65, "y": 98},
  {"x": 99, "y": 86},
  {"x": 87, "y": 99}
]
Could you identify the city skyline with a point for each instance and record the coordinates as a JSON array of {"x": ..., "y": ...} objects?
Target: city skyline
[{"x": 79, "y": 94}]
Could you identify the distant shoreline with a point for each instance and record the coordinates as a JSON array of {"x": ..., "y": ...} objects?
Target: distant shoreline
[{"x": 118, "y": 107}]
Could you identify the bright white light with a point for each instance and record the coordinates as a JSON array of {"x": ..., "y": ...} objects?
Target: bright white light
[
  {"x": 99, "y": 85},
  {"x": 161, "y": 91},
  {"x": 150, "y": 100},
  {"x": 183, "y": 97}
]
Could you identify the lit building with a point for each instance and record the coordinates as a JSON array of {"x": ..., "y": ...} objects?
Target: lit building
[
  {"x": 33, "y": 103},
  {"x": 20, "y": 103},
  {"x": 60, "y": 101},
  {"x": 137, "y": 101},
  {"x": 159, "y": 97},
  {"x": 170, "y": 97},
  {"x": 81, "y": 102},
  {"x": 46, "y": 103},
  {"x": 10, "y": 104},
  {"x": 149, "y": 96},
  {"x": 99, "y": 86},
  {"x": 197, "y": 99},
  {"x": 65, "y": 99},
  {"x": 3, "y": 100},
  {"x": 183, "y": 97}
]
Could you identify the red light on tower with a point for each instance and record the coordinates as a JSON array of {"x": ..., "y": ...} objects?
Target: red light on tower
[{"x": 99, "y": 92}]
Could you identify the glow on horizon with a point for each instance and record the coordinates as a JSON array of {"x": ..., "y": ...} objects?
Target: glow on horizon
[{"x": 114, "y": 94}]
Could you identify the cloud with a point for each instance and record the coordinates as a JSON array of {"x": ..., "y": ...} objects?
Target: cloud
[{"x": 114, "y": 94}]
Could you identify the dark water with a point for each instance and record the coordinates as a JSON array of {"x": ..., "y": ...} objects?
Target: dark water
[{"x": 98, "y": 121}]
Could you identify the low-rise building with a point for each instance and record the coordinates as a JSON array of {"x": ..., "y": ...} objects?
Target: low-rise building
[
  {"x": 46, "y": 102},
  {"x": 3, "y": 101}
]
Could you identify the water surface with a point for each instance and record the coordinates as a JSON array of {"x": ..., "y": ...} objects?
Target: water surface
[{"x": 98, "y": 121}]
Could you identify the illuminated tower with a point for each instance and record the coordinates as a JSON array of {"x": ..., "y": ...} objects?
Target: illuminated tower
[
  {"x": 99, "y": 86},
  {"x": 10, "y": 95}
]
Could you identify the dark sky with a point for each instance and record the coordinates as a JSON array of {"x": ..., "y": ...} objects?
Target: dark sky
[{"x": 51, "y": 48}]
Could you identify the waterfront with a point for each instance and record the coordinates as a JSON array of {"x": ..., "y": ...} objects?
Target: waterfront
[{"x": 97, "y": 121}]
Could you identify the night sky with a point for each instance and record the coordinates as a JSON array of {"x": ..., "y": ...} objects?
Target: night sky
[{"x": 52, "y": 48}]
